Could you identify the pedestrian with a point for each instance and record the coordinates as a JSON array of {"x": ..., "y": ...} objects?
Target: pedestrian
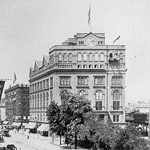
[
  {"x": 28, "y": 134},
  {"x": 15, "y": 130}
]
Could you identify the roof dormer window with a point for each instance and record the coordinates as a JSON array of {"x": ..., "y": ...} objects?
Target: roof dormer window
[{"x": 81, "y": 42}]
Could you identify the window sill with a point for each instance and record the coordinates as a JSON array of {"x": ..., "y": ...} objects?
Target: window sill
[
  {"x": 82, "y": 86},
  {"x": 99, "y": 86},
  {"x": 119, "y": 86},
  {"x": 65, "y": 86}
]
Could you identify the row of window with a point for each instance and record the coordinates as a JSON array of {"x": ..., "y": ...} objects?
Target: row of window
[
  {"x": 98, "y": 80},
  {"x": 38, "y": 116},
  {"x": 81, "y": 57},
  {"x": 96, "y": 66},
  {"x": 41, "y": 85},
  {"x": 98, "y": 42},
  {"x": 40, "y": 101},
  {"x": 87, "y": 57},
  {"x": 99, "y": 99},
  {"x": 81, "y": 80}
]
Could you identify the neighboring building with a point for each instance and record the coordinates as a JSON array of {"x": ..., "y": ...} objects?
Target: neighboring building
[
  {"x": 141, "y": 106},
  {"x": 82, "y": 65},
  {"x": 2, "y": 110},
  {"x": 17, "y": 103}
]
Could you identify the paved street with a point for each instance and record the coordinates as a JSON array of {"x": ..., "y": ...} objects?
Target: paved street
[{"x": 35, "y": 142}]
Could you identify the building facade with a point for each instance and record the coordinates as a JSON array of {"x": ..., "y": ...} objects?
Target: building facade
[
  {"x": 2, "y": 110},
  {"x": 83, "y": 65},
  {"x": 17, "y": 103}
]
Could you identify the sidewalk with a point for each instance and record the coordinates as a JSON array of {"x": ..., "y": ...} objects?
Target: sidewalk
[
  {"x": 46, "y": 140},
  {"x": 39, "y": 137}
]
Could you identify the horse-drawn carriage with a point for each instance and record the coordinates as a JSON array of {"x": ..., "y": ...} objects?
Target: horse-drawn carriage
[
  {"x": 9, "y": 147},
  {"x": 5, "y": 132}
]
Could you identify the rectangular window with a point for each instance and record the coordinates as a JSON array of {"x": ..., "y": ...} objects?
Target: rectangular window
[
  {"x": 64, "y": 80},
  {"x": 101, "y": 117},
  {"x": 38, "y": 85},
  {"x": 98, "y": 105},
  {"x": 99, "y": 80},
  {"x": 81, "y": 42},
  {"x": 83, "y": 80},
  {"x": 116, "y": 80},
  {"x": 115, "y": 118},
  {"x": 44, "y": 84},
  {"x": 47, "y": 83},
  {"x": 51, "y": 81},
  {"x": 116, "y": 105},
  {"x": 41, "y": 85}
]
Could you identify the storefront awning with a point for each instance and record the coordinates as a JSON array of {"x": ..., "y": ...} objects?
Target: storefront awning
[
  {"x": 43, "y": 127},
  {"x": 24, "y": 124},
  {"x": 16, "y": 124},
  {"x": 5, "y": 122},
  {"x": 31, "y": 125}
]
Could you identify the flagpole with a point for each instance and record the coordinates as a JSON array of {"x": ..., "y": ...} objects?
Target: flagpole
[{"x": 89, "y": 17}]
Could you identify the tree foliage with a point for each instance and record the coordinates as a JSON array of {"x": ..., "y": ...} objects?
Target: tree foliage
[{"x": 76, "y": 119}]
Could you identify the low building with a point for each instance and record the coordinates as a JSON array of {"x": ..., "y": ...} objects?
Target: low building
[
  {"x": 17, "y": 103},
  {"x": 2, "y": 110}
]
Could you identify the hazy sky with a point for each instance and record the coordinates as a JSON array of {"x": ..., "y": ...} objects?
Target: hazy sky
[{"x": 28, "y": 28}]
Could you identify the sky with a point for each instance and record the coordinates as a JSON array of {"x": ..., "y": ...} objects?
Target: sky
[{"x": 28, "y": 28}]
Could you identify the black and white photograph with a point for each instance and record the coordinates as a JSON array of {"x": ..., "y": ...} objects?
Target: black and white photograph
[{"x": 74, "y": 74}]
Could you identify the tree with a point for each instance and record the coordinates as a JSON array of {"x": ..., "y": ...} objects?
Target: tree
[
  {"x": 105, "y": 135},
  {"x": 53, "y": 115},
  {"x": 72, "y": 112},
  {"x": 129, "y": 139}
]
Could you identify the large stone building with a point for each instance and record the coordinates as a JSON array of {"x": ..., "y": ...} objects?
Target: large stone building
[
  {"x": 17, "y": 103},
  {"x": 83, "y": 65}
]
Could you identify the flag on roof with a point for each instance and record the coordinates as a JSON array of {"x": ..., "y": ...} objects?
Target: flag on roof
[
  {"x": 116, "y": 39},
  {"x": 89, "y": 16},
  {"x": 15, "y": 78}
]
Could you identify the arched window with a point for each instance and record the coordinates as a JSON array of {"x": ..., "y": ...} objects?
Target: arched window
[
  {"x": 85, "y": 57},
  {"x": 98, "y": 100},
  {"x": 96, "y": 57},
  {"x": 63, "y": 95},
  {"x": 90, "y": 57},
  {"x": 116, "y": 95},
  {"x": 65, "y": 57},
  {"x": 102, "y": 57},
  {"x": 70, "y": 57},
  {"x": 83, "y": 93},
  {"x": 116, "y": 100},
  {"x": 79, "y": 57},
  {"x": 60, "y": 57}
]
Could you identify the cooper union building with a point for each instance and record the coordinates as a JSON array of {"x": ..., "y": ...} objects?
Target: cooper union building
[{"x": 83, "y": 65}]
